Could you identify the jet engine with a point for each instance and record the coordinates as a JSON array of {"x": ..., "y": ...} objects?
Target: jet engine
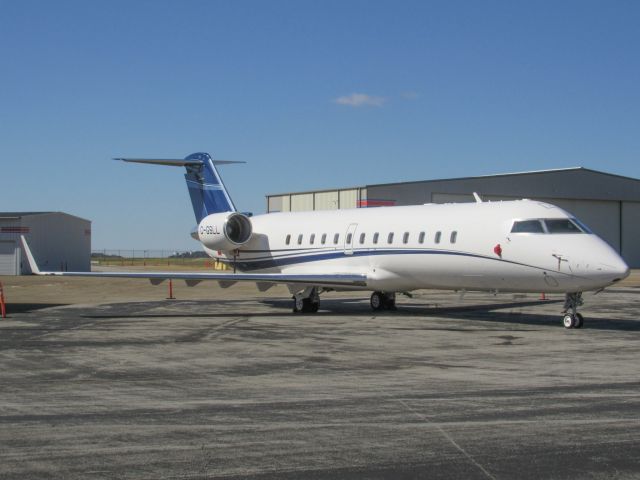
[{"x": 225, "y": 231}]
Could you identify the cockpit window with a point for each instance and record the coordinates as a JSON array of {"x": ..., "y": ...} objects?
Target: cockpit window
[
  {"x": 550, "y": 225},
  {"x": 527, "y": 226},
  {"x": 582, "y": 226},
  {"x": 561, "y": 225}
]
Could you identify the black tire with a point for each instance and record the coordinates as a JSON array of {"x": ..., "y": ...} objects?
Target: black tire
[
  {"x": 307, "y": 305},
  {"x": 298, "y": 305},
  {"x": 568, "y": 321},
  {"x": 579, "y": 321},
  {"x": 377, "y": 301},
  {"x": 390, "y": 301}
]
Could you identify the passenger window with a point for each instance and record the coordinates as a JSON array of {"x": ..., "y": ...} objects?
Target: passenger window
[
  {"x": 454, "y": 237},
  {"x": 312, "y": 238},
  {"x": 300, "y": 239},
  {"x": 375, "y": 238},
  {"x": 421, "y": 237},
  {"x": 336, "y": 237},
  {"x": 362, "y": 236},
  {"x": 348, "y": 238},
  {"x": 438, "y": 236},
  {"x": 390, "y": 237},
  {"x": 323, "y": 239},
  {"x": 288, "y": 241},
  {"x": 527, "y": 226},
  {"x": 561, "y": 225},
  {"x": 405, "y": 237}
]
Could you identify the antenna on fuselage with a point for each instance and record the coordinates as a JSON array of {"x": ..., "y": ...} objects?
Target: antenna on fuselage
[{"x": 477, "y": 197}]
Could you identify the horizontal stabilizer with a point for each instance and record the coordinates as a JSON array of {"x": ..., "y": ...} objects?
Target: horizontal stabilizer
[
  {"x": 207, "y": 192},
  {"x": 170, "y": 162}
]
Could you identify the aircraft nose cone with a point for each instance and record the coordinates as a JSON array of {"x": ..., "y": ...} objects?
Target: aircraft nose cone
[{"x": 617, "y": 269}]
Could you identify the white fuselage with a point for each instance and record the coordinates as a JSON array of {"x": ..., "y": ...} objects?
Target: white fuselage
[{"x": 468, "y": 246}]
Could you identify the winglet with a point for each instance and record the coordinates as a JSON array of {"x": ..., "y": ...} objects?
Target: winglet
[{"x": 32, "y": 263}]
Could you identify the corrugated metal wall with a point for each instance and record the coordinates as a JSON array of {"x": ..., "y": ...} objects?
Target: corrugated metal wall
[
  {"x": 324, "y": 200},
  {"x": 59, "y": 242},
  {"x": 10, "y": 229},
  {"x": 327, "y": 200},
  {"x": 631, "y": 233},
  {"x": 302, "y": 202},
  {"x": 349, "y": 198},
  {"x": 8, "y": 257}
]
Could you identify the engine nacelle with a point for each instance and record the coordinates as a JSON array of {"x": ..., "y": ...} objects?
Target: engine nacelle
[{"x": 225, "y": 231}]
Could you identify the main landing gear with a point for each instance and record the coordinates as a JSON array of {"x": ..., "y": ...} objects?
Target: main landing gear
[
  {"x": 572, "y": 319},
  {"x": 307, "y": 301},
  {"x": 383, "y": 301}
]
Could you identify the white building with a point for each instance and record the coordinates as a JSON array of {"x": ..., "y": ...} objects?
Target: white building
[{"x": 59, "y": 242}]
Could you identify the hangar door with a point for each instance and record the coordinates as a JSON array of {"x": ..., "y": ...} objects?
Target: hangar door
[{"x": 8, "y": 260}]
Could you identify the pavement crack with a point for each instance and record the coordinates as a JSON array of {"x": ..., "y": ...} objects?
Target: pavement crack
[{"x": 449, "y": 438}]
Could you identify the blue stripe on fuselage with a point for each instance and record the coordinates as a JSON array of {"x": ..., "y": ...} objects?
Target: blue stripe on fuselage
[{"x": 293, "y": 259}]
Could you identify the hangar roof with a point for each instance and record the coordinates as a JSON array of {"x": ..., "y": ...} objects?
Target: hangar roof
[
  {"x": 530, "y": 172},
  {"x": 575, "y": 183},
  {"x": 14, "y": 215}
]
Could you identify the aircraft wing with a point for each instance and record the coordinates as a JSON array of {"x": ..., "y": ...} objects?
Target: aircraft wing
[{"x": 225, "y": 279}]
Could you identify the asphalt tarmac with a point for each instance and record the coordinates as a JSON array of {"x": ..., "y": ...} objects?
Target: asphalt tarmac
[{"x": 233, "y": 385}]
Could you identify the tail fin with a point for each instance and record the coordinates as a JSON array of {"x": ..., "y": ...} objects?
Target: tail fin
[{"x": 208, "y": 193}]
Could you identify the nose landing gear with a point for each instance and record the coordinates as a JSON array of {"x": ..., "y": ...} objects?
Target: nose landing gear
[{"x": 571, "y": 318}]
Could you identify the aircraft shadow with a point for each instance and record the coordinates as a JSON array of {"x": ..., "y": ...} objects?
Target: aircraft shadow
[
  {"x": 482, "y": 313},
  {"x": 30, "y": 307}
]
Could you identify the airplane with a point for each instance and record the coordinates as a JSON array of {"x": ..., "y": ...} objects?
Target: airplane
[{"x": 524, "y": 246}]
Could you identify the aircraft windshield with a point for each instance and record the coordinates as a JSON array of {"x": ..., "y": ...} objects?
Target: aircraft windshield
[
  {"x": 561, "y": 225},
  {"x": 527, "y": 226},
  {"x": 549, "y": 225}
]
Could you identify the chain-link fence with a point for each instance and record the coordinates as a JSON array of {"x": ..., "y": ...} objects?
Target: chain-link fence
[{"x": 151, "y": 258}]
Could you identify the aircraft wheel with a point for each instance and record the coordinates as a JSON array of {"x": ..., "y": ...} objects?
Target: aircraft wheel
[
  {"x": 377, "y": 301},
  {"x": 305, "y": 305},
  {"x": 568, "y": 321},
  {"x": 579, "y": 320},
  {"x": 390, "y": 301}
]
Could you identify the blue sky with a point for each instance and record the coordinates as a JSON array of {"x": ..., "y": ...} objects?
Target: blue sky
[{"x": 312, "y": 95}]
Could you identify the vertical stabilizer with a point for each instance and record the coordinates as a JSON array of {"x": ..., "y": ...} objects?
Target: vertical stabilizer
[{"x": 208, "y": 193}]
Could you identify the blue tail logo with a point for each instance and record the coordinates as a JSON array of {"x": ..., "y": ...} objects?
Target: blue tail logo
[{"x": 208, "y": 193}]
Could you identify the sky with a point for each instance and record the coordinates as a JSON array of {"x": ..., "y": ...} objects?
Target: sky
[{"x": 311, "y": 94}]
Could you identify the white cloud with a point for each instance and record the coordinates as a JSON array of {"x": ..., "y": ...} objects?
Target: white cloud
[{"x": 360, "y": 100}]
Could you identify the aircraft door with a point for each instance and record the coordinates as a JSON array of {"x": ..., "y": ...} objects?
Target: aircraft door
[{"x": 350, "y": 239}]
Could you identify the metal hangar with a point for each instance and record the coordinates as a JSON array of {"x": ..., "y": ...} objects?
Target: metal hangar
[
  {"x": 59, "y": 242},
  {"x": 608, "y": 203}
]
